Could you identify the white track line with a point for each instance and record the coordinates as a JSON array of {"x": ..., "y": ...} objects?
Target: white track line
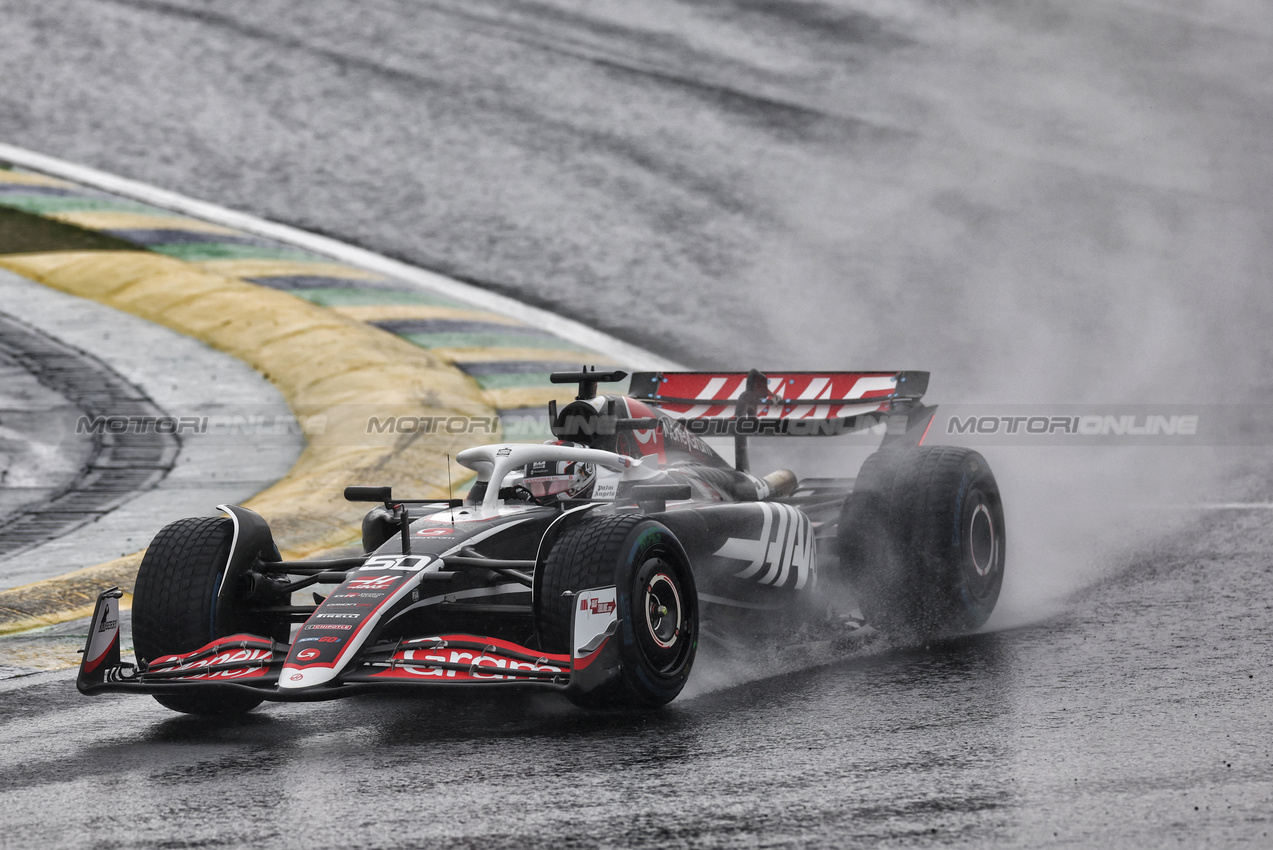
[{"x": 577, "y": 332}]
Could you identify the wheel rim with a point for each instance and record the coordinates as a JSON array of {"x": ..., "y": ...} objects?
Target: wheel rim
[
  {"x": 664, "y": 624},
  {"x": 983, "y": 543},
  {"x": 663, "y": 610}
]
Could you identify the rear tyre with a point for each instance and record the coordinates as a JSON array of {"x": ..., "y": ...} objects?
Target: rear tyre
[
  {"x": 922, "y": 541},
  {"x": 656, "y": 600},
  {"x": 174, "y": 606}
]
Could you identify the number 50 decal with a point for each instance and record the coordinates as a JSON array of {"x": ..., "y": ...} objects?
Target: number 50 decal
[{"x": 410, "y": 563}]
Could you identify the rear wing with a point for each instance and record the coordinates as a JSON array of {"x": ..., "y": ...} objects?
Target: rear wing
[
  {"x": 788, "y": 403},
  {"x": 784, "y": 395}
]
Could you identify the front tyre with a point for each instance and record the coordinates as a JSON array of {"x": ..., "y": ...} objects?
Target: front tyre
[
  {"x": 175, "y": 610},
  {"x": 657, "y": 605},
  {"x": 922, "y": 541}
]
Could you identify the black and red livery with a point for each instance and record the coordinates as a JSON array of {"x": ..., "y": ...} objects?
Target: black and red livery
[{"x": 599, "y": 588}]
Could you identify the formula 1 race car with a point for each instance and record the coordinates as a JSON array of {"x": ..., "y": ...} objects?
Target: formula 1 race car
[{"x": 589, "y": 565}]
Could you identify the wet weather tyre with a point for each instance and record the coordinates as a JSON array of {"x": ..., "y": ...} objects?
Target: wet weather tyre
[
  {"x": 922, "y": 541},
  {"x": 174, "y": 606},
  {"x": 657, "y": 605}
]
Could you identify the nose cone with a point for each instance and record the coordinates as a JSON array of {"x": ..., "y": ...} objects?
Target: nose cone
[{"x": 293, "y": 678}]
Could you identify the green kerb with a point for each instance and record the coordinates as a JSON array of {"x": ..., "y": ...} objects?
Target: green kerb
[
  {"x": 372, "y": 298},
  {"x": 198, "y": 252},
  {"x": 45, "y": 204},
  {"x": 488, "y": 340},
  {"x": 503, "y": 382}
]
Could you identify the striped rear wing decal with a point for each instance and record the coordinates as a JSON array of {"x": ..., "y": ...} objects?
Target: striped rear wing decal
[{"x": 794, "y": 395}]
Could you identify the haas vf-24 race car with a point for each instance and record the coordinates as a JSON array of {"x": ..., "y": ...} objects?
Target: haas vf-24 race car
[{"x": 589, "y": 565}]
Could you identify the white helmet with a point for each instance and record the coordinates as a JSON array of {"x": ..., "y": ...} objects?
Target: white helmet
[{"x": 549, "y": 480}]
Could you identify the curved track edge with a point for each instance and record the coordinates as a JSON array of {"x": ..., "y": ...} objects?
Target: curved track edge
[{"x": 335, "y": 367}]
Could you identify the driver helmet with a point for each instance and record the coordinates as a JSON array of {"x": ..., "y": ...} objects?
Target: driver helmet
[{"x": 549, "y": 480}]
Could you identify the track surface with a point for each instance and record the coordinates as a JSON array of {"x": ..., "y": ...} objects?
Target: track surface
[
  {"x": 116, "y": 469},
  {"x": 1042, "y": 202},
  {"x": 208, "y": 469},
  {"x": 36, "y": 469}
]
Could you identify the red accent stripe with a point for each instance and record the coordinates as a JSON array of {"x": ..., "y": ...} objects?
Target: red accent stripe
[
  {"x": 926, "y": 427},
  {"x": 582, "y": 663},
  {"x": 96, "y": 662},
  {"x": 501, "y": 644}
]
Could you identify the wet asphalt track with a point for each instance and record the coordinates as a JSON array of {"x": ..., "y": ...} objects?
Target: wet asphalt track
[
  {"x": 1040, "y": 202},
  {"x": 1116, "y": 725}
]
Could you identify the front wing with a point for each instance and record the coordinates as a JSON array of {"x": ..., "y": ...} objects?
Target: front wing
[{"x": 253, "y": 663}]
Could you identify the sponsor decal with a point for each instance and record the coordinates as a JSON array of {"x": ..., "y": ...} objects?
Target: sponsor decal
[
  {"x": 713, "y": 392},
  {"x": 677, "y": 433},
  {"x": 593, "y": 617},
  {"x": 359, "y": 595},
  {"x": 307, "y": 654},
  {"x": 338, "y": 616},
  {"x": 797, "y": 399},
  {"x": 373, "y": 582},
  {"x": 328, "y": 626},
  {"x": 106, "y": 636},
  {"x": 492, "y": 662},
  {"x": 595, "y": 605},
  {"x": 481, "y": 665},
  {"x": 236, "y": 656},
  {"x": 649, "y": 443},
  {"x": 410, "y": 563},
  {"x": 435, "y": 532},
  {"x": 347, "y": 605},
  {"x": 296, "y": 677},
  {"x": 784, "y": 548}
]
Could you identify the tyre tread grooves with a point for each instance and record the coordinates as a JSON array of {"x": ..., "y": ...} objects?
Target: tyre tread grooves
[
  {"x": 176, "y": 585},
  {"x": 904, "y": 511},
  {"x": 577, "y": 559}
]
